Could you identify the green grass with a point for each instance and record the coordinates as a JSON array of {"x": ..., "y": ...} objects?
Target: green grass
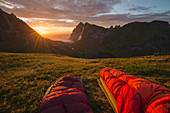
[{"x": 26, "y": 77}]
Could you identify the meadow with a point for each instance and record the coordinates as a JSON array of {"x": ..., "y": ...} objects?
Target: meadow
[{"x": 25, "y": 77}]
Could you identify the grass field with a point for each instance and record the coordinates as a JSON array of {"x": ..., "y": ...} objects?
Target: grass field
[{"x": 26, "y": 77}]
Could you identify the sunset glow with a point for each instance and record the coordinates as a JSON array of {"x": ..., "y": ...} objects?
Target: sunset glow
[
  {"x": 44, "y": 30},
  {"x": 41, "y": 30},
  {"x": 56, "y": 33}
]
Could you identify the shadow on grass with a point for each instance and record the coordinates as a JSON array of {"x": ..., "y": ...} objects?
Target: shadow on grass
[{"x": 95, "y": 96}]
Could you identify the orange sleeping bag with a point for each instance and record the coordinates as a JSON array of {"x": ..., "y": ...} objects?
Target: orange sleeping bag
[{"x": 136, "y": 95}]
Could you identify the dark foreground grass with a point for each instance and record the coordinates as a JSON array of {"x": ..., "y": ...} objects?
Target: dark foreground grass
[{"x": 26, "y": 77}]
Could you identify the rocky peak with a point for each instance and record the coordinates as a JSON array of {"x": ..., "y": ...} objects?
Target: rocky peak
[
  {"x": 111, "y": 27},
  {"x": 87, "y": 31},
  {"x": 80, "y": 24},
  {"x": 13, "y": 18},
  {"x": 75, "y": 35},
  {"x": 87, "y": 23},
  {"x": 117, "y": 26},
  {"x": 2, "y": 12},
  {"x": 12, "y": 15}
]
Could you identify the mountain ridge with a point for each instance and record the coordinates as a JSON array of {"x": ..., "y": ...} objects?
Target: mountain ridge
[
  {"x": 133, "y": 39},
  {"x": 17, "y": 36},
  {"x": 89, "y": 40}
]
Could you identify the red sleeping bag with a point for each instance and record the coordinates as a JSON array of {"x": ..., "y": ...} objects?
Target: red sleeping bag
[
  {"x": 136, "y": 95},
  {"x": 67, "y": 96}
]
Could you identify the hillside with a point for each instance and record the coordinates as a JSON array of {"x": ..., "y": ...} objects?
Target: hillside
[
  {"x": 25, "y": 77},
  {"x": 17, "y": 36}
]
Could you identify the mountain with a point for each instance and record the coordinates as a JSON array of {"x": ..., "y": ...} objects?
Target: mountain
[
  {"x": 133, "y": 39},
  {"x": 89, "y": 41},
  {"x": 87, "y": 31},
  {"x": 17, "y": 36}
]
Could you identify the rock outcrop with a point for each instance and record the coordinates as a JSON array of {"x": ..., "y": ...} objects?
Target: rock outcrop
[{"x": 87, "y": 31}]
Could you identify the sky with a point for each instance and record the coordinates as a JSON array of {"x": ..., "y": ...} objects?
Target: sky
[{"x": 55, "y": 19}]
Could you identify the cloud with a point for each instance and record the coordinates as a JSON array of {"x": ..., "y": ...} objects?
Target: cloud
[
  {"x": 141, "y": 8},
  {"x": 66, "y": 12},
  {"x": 63, "y": 8},
  {"x": 125, "y": 18},
  {"x": 10, "y": 5}
]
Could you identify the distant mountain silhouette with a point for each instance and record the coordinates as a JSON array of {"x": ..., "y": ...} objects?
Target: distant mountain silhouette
[
  {"x": 133, "y": 39},
  {"x": 90, "y": 41}
]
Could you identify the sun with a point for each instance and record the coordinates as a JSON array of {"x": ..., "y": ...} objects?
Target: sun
[{"x": 41, "y": 30}]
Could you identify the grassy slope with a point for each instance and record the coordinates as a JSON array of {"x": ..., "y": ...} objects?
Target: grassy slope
[{"x": 26, "y": 77}]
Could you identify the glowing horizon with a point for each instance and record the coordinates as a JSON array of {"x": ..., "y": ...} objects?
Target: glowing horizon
[
  {"x": 54, "y": 32},
  {"x": 40, "y": 30}
]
